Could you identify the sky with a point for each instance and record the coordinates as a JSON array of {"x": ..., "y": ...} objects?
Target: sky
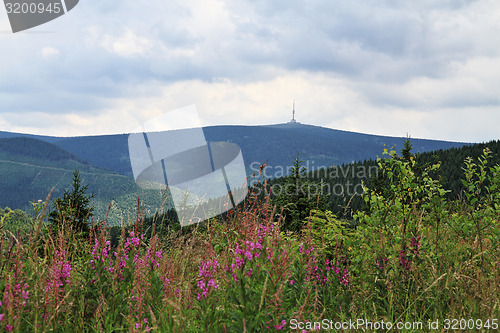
[{"x": 430, "y": 69}]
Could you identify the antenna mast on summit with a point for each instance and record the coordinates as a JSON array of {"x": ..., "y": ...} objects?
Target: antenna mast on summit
[{"x": 293, "y": 121}]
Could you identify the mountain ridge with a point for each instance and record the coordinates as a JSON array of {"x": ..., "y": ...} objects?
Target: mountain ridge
[{"x": 274, "y": 144}]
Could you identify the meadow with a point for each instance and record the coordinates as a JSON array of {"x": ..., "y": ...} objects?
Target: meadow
[{"x": 411, "y": 261}]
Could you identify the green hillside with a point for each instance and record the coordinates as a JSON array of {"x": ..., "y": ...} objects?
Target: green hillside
[{"x": 30, "y": 168}]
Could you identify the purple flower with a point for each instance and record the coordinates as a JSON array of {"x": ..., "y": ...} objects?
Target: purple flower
[
  {"x": 344, "y": 279},
  {"x": 206, "y": 272},
  {"x": 382, "y": 262},
  {"x": 239, "y": 261},
  {"x": 280, "y": 327},
  {"x": 405, "y": 262},
  {"x": 415, "y": 245},
  {"x": 212, "y": 283}
]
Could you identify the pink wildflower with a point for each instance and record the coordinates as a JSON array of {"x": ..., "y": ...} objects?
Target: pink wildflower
[
  {"x": 405, "y": 262},
  {"x": 415, "y": 245},
  {"x": 206, "y": 272},
  {"x": 280, "y": 327}
]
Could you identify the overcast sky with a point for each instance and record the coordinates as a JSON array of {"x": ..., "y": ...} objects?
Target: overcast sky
[{"x": 428, "y": 68}]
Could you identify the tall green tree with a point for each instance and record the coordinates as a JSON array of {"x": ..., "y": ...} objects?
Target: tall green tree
[
  {"x": 406, "y": 152},
  {"x": 74, "y": 209},
  {"x": 298, "y": 196}
]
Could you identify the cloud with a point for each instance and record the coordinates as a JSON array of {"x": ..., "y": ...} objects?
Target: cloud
[
  {"x": 127, "y": 45},
  {"x": 50, "y": 52},
  {"x": 466, "y": 84}
]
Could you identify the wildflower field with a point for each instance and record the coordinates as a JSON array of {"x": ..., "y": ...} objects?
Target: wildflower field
[{"x": 411, "y": 257}]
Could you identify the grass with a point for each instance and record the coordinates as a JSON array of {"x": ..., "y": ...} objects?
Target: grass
[{"x": 414, "y": 258}]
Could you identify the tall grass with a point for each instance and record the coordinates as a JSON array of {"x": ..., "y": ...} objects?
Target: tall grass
[{"x": 413, "y": 257}]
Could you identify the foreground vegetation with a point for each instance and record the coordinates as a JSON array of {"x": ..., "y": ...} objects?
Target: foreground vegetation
[{"x": 412, "y": 257}]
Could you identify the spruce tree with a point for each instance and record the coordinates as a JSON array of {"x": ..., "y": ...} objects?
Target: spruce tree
[
  {"x": 406, "y": 153},
  {"x": 74, "y": 209},
  {"x": 298, "y": 196}
]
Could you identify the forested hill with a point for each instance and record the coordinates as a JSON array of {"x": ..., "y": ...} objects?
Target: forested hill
[
  {"x": 30, "y": 168},
  {"x": 32, "y": 149},
  {"x": 273, "y": 144},
  {"x": 453, "y": 161},
  {"x": 343, "y": 182}
]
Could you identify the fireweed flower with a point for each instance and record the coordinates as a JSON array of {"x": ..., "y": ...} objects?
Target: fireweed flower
[
  {"x": 344, "y": 279},
  {"x": 60, "y": 272},
  {"x": 122, "y": 263},
  {"x": 154, "y": 259},
  {"x": 312, "y": 263},
  {"x": 382, "y": 262},
  {"x": 249, "y": 251},
  {"x": 403, "y": 260},
  {"x": 415, "y": 245},
  {"x": 264, "y": 231},
  {"x": 15, "y": 294},
  {"x": 132, "y": 240},
  {"x": 207, "y": 282},
  {"x": 15, "y": 297},
  {"x": 306, "y": 251},
  {"x": 334, "y": 267},
  {"x": 98, "y": 254},
  {"x": 281, "y": 326}
]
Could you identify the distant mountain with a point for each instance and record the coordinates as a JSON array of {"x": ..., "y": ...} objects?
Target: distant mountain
[
  {"x": 359, "y": 146},
  {"x": 275, "y": 145},
  {"x": 105, "y": 151}
]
